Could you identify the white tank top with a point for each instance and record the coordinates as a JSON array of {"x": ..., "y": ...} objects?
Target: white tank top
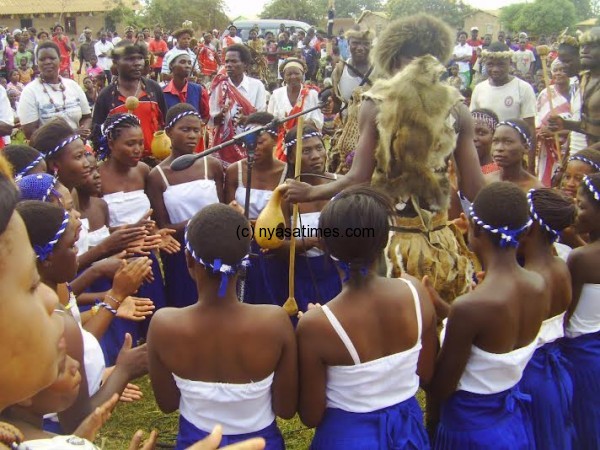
[
  {"x": 586, "y": 318},
  {"x": 184, "y": 200},
  {"x": 551, "y": 330},
  {"x": 258, "y": 197},
  {"x": 377, "y": 384},
  {"x": 348, "y": 83},
  {"x": 310, "y": 224},
  {"x": 490, "y": 373},
  {"x": 126, "y": 208},
  {"x": 83, "y": 243},
  {"x": 97, "y": 236},
  {"x": 239, "y": 408}
]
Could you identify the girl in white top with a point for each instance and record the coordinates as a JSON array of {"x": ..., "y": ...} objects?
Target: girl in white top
[
  {"x": 363, "y": 355},
  {"x": 123, "y": 177},
  {"x": 490, "y": 334},
  {"x": 262, "y": 280},
  {"x": 176, "y": 196},
  {"x": 546, "y": 377},
  {"x": 582, "y": 345},
  {"x": 220, "y": 360}
]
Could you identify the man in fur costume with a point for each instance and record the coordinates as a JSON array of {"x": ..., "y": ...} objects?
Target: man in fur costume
[
  {"x": 410, "y": 126},
  {"x": 350, "y": 80}
]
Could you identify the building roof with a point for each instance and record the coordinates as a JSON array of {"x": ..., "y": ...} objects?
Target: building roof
[
  {"x": 368, "y": 13},
  {"x": 20, "y": 7},
  {"x": 491, "y": 12}
]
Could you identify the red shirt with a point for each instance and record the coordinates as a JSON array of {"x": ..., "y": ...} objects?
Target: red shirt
[
  {"x": 208, "y": 60},
  {"x": 158, "y": 46}
]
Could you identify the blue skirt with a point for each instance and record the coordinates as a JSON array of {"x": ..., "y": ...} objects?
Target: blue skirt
[
  {"x": 583, "y": 353},
  {"x": 397, "y": 427},
  {"x": 475, "y": 422},
  {"x": 548, "y": 382},
  {"x": 266, "y": 279},
  {"x": 180, "y": 288},
  {"x": 316, "y": 280},
  {"x": 189, "y": 435}
]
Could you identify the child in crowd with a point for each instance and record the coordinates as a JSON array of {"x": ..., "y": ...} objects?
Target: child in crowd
[
  {"x": 176, "y": 196},
  {"x": 220, "y": 360},
  {"x": 90, "y": 90},
  {"x": 93, "y": 71},
  {"x": 25, "y": 72},
  {"x": 15, "y": 81},
  {"x": 363, "y": 355},
  {"x": 582, "y": 345},
  {"x": 454, "y": 79},
  {"x": 485, "y": 122},
  {"x": 490, "y": 334}
]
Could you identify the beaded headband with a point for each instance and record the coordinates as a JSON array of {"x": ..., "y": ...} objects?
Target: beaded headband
[
  {"x": 217, "y": 266},
  {"x": 103, "y": 149},
  {"x": 62, "y": 145},
  {"x": 290, "y": 144},
  {"x": 272, "y": 132},
  {"x": 43, "y": 251},
  {"x": 174, "y": 120},
  {"x": 588, "y": 183},
  {"x": 595, "y": 166},
  {"x": 31, "y": 166},
  {"x": 508, "y": 237},
  {"x": 490, "y": 121},
  {"x": 518, "y": 129},
  {"x": 555, "y": 235}
]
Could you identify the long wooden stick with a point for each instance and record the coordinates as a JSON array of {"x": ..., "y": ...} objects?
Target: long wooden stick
[
  {"x": 291, "y": 306},
  {"x": 544, "y": 57}
]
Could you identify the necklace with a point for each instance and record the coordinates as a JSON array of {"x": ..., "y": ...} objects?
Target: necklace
[
  {"x": 137, "y": 90},
  {"x": 61, "y": 88}
]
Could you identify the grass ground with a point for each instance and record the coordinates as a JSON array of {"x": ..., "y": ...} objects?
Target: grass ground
[{"x": 144, "y": 414}]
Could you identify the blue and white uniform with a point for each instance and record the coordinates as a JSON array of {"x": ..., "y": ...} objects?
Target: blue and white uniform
[
  {"x": 372, "y": 405},
  {"x": 487, "y": 409},
  {"x": 182, "y": 201},
  {"x": 127, "y": 208},
  {"x": 581, "y": 347},
  {"x": 266, "y": 277},
  {"x": 548, "y": 381},
  {"x": 244, "y": 411}
]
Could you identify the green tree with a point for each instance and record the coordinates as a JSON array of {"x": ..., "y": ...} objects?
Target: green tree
[
  {"x": 450, "y": 11},
  {"x": 540, "y": 17},
  {"x": 583, "y": 9},
  {"x": 121, "y": 14},
  {"x": 204, "y": 14},
  {"x": 302, "y": 10}
]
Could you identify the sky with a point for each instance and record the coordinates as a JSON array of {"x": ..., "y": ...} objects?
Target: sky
[{"x": 251, "y": 8}]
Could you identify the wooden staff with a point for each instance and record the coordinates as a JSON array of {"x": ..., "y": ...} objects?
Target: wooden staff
[
  {"x": 543, "y": 51},
  {"x": 290, "y": 304}
]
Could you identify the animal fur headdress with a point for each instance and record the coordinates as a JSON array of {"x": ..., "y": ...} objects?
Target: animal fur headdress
[
  {"x": 411, "y": 37},
  {"x": 497, "y": 50},
  {"x": 356, "y": 32},
  {"x": 590, "y": 37},
  {"x": 416, "y": 133},
  {"x": 186, "y": 27}
]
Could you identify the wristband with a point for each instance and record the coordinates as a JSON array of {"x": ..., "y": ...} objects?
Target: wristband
[
  {"x": 110, "y": 297},
  {"x": 107, "y": 307}
]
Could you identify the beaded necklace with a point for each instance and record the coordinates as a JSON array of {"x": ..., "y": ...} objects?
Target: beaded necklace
[{"x": 61, "y": 88}]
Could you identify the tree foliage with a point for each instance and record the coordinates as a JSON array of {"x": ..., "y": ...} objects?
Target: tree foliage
[
  {"x": 347, "y": 8},
  {"x": 302, "y": 10},
  {"x": 204, "y": 14},
  {"x": 450, "y": 11},
  {"x": 540, "y": 17}
]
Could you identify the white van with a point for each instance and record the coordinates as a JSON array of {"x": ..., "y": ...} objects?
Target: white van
[{"x": 264, "y": 25}]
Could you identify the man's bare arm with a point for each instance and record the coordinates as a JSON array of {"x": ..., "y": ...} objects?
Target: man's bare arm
[{"x": 470, "y": 177}]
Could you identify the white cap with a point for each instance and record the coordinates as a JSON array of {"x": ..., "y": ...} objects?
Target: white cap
[
  {"x": 17, "y": 31},
  {"x": 523, "y": 35},
  {"x": 474, "y": 29}
]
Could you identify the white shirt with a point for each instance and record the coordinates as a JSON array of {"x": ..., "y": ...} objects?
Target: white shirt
[
  {"x": 104, "y": 62},
  {"x": 251, "y": 88},
  {"x": 578, "y": 141},
  {"x": 236, "y": 40},
  {"x": 523, "y": 59},
  {"x": 176, "y": 52},
  {"x": 461, "y": 51},
  {"x": 514, "y": 100},
  {"x": 6, "y": 112},
  {"x": 280, "y": 106},
  {"x": 35, "y": 104}
]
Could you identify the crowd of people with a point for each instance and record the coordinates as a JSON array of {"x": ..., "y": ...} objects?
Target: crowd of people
[{"x": 469, "y": 269}]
